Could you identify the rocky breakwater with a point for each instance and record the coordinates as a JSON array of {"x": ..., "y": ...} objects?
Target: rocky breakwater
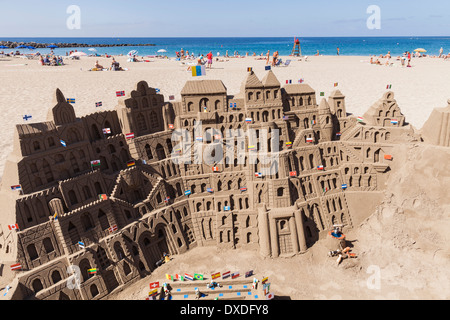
[{"x": 13, "y": 45}]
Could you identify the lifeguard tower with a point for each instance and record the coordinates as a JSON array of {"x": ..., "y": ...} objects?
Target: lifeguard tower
[{"x": 297, "y": 50}]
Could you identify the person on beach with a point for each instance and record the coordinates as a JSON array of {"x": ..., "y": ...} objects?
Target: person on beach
[
  {"x": 441, "y": 51},
  {"x": 268, "y": 57},
  {"x": 209, "y": 56},
  {"x": 409, "y": 60},
  {"x": 338, "y": 51},
  {"x": 275, "y": 58}
]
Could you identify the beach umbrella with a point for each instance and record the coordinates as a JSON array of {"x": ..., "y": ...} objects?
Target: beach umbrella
[
  {"x": 31, "y": 47},
  {"x": 420, "y": 50},
  {"x": 78, "y": 54},
  {"x": 92, "y": 49},
  {"x": 52, "y": 46},
  {"x": 161, "y": 51},
  {"x": 22, "y": 47},
  {"x": 132, "y": 53},
  {"x": 4, "y": 47}
]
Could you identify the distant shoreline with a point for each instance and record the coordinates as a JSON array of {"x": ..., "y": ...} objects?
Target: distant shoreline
[{"x": 14, "y": 45}]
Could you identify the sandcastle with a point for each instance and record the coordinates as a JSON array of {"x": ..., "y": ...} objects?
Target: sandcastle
[{"x": 115, "y": 201}]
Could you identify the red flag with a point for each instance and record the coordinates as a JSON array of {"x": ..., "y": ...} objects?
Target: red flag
[
  {"x": 16, "y": 266},
  {"x": 129, "y": 135},
  {"x": 120, "y": 93},
  {"x": 154, "y": 285},
  {"x": 113, "y": 228},
  {"x": 13, "y": 226}
]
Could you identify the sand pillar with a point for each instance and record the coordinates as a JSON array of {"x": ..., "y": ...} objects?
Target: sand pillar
[
  {"x": 263, "y": 230},
  {"x": 300, "y": 230},
  {"x": 274, "y": 237},
  {"x": 293, "y": 234}
]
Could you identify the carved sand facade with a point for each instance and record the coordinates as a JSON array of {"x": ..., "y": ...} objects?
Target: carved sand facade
[{"x": 154, "y": 205}]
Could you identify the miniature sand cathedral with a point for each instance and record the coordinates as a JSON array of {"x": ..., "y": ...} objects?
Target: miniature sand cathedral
[{"x": 115, "y": 202}]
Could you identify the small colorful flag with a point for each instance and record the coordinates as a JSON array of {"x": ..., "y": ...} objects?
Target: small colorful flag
[
  {"x": 171, "y": 98},
  {"x": 301, "y": 80},
  {"x": 325, "y": 189},
  {"x": 63, "y": 143},
  {"x": 95, "y": 163},
  {"x": 389, "y": 86},
  {"x": 112, "y": 228},
  {"x": 293, "y": 173},
  {"x": 215, "y": 275},
  {"x": 187, "y": 192},
  {"x": 198, "y": 71},
  {"x": 387, "y": 157},
  {"x": 26, "y": 117},
  {"x": 103, "y": 197},
  {"x": 235, "y": 275},
  {"x": 336, "y": 84},
  {"x": 120, "y": 93},
  {"x": 313, "y": 122},
  {"x": 252, "y": 148},
  {"x": 198, "y": 276},
  {"x": 179, "y": 278},
  {"x": 258, "y": 174},
  {"x": 81, "y": 244},
  {"x": 169, "y": 277},
  {"x": 131, "y": 163},
  {"x": 338, "y": 134},
  {"x": 199, "y": 138},
  {"x": 13, "y": 227},
  {"x": 285, "y": 118},
  {"x": 248, "y": 120},
  {"x": 249, "y": 69},
  {"x": 107, "y": 131},
  {"x": 167, "y": 199},
  {"x": 344, "y": 186},
  {"x": 92, "y": 271},
  {"x": 309, "y": 139},
  {"x": 226, "y": 275},
  {"x": 215, "y": 169},
  {"x": 98, "y": 104},
  {"x": 70, "y": 100},
  {"x": 270, "y": 296},
  {"x": 360, "y": 119},
  {"x": 16, "y": 266},
  {"x": 188, "y": 277},
  {"x": 55, "y": 216},
  {"x": 320, "y": 168},
  {"x": 129, "y": 135},
  {"x": 152, "y": 293},
  {"x": 394, "y": 121},
  {"x": 264, "y": 280},
  {"x": 268, "y": 68},
  {"x": 209, "y": 190},
  {"x": 154, "y": 285},
  {"x": 171, "y": 126},
  {"x": 226, "y": 208},
  {"x": 322, "y": 94},
  {"x": 249, "y": 273},
  {"x": 243, "y": 189},
  {"x": 17, "y": 187},
  {"x": 157, "y": 90},
  {"x": 289, "y": 144},
  {"x": 217, "y": 136}
]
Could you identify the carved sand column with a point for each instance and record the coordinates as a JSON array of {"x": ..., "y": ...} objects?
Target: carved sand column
[
  {"x": 274, "y": 237},
  {"x": 293, "y": 234},
  {"x": 300, "y": 229},
  {"x": 263, "y": 231}
]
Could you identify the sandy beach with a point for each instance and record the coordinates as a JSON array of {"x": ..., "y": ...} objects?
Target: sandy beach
[{"x": 28, "y": 88}]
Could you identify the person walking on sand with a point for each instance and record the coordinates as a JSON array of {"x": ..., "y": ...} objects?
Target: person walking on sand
[
  {"x": 338, "y": 50},
  {"x": 441, "y": 52},
  {"x": 209, "y": 56},
  {"x": 268, "y": 57}
]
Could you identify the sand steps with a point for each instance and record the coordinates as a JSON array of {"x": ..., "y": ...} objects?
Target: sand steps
[{"x": 238, "y": 289}]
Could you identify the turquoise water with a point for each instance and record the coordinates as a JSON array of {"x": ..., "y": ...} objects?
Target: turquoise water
[{"x": 349, "y": 46}]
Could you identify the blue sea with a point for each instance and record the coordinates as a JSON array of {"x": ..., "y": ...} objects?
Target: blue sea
[{"x": 349, "y": 46}]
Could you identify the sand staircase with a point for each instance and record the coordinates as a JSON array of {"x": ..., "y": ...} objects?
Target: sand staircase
[{"x": 237, "y": 289}]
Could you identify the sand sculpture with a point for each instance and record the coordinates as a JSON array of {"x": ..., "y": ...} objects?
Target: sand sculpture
[{"x": 127, "y": 214}]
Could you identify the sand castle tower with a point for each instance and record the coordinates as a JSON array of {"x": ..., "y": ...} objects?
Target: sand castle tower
[
  {"x": 325, "y": 121},
  {"x": 437, "y": 128},
  {"x": 337, "y": 103},
  {"x": 385, "y": 112}
]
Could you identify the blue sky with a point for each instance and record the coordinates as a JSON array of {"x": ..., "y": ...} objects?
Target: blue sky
[{"x": 229, "y": 18}]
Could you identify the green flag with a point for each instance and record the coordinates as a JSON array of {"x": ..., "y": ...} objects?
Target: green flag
[{"x": 198, "y": 276}]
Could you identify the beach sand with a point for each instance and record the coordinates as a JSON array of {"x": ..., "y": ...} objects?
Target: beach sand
[
  {"x": 29, "y": 89},
  {"x": 405, "y": 240}
]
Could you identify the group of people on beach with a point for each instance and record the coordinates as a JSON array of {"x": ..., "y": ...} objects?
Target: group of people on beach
[{"x": 51, "y": 60}]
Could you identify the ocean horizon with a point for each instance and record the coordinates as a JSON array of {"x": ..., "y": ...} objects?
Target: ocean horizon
[{"x": 349, "y": 46}]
